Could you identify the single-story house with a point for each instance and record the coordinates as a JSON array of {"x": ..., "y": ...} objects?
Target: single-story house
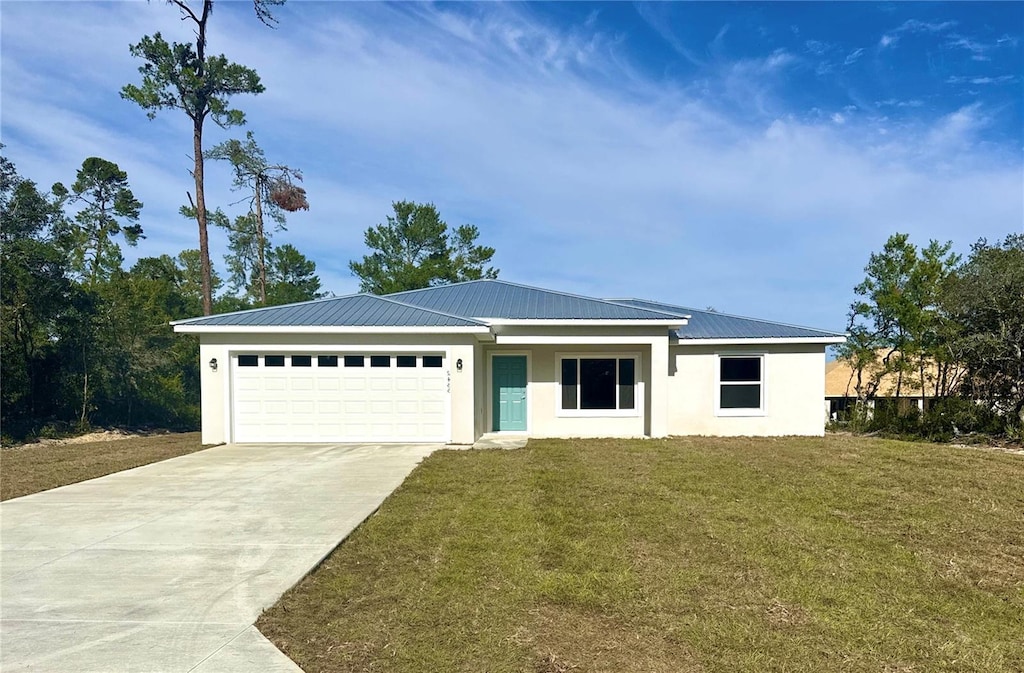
[{"x": 453, "y": 362}]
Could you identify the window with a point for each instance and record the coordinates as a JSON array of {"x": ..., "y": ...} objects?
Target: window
[
  {"x": 406, "y": 360},
  {"x": 248, "y": 360},
  {"x": 380, "y": 360},
  {"x": 598, "y": 383},
  {"x": 741, "y": 383},
  {"x": 302, "y": 361},
  {"x": 273, "y": 361},
  {"x": 326, "y": 360},
  {"x": 432, "y": 360},
  {"x": 353, "y": 360}
]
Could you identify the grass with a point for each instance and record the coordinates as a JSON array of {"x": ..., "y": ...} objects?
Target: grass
[
  {"x": 39, "y": 467},
  {"x": 838, "y": 554}
]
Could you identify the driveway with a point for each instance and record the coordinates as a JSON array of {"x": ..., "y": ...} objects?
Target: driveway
[{"x": 164, "y": 568}]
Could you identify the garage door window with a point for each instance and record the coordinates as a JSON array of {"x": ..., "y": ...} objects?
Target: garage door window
[
  {"x": 406, "y": 360},
  {"x": 353, "y": 360},
  {"x": 327, "y": 361},
  {"x": 432, "y": 360},
  {"x": 273, "y": 361},
  {"x": 380, "y": 360},
  {"x": 248, "y": 360},
  {"x": 302, "y": 361}
]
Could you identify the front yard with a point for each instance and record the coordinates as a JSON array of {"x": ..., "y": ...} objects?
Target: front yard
[{"x": 837, "y": 554}]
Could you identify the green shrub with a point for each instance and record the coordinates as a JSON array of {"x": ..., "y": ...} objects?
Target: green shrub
[
  {"x": 894, "y": 417},
  {"x": 953, "y": 416}
]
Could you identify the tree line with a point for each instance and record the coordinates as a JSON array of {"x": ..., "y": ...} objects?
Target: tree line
[
  {"x": 86, "y": 341},
  {"x": 952, "y": 328}
]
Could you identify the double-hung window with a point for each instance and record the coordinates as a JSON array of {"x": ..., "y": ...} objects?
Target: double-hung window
[
  {"x": 598, "y": 385},
  {"x": 740, "y": 385}
]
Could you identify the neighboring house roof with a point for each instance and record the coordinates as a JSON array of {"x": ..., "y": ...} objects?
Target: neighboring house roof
[
  {"x": 841, "y": 379},
  {"x": 714, "y": 325},
  {"x": 354, "y": 310},
  {"x": 501, "y": 300}
]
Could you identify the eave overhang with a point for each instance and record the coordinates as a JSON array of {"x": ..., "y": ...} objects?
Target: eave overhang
[
  {"x": 756, "y": 341},
  {"x": 326, "y": 329}
]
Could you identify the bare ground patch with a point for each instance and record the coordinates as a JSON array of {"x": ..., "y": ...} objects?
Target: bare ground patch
[{"x": 40, "y": 466}]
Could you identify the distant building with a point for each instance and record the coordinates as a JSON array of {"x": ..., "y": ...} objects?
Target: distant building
[{"x": 841, "y": 386}]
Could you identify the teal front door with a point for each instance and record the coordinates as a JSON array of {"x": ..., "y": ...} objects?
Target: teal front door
[{"x": 508, "y": 373}]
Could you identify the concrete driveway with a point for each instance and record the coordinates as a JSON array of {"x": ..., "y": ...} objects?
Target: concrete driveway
[{"x": 164, "y": 568}]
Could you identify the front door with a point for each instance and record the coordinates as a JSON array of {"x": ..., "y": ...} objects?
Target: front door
[{"x": 509, "y": 394}]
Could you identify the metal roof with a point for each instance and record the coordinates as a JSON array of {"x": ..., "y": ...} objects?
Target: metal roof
[
  {"x": 500, "y": 300},
  {"x": 474, "y": 303},
  {"x": 714, "y": 325},
  {"x": 356, "y": 310}
]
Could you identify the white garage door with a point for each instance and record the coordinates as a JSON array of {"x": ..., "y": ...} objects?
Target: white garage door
[{"x": 340, "y": 397}]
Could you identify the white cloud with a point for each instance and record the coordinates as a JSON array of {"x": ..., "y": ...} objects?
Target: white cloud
[
  {"x": 894, "y": 102},
  {"x": 853, "y": 56},
  {"x": 977, "y": 49},
  {"x": 656, "y": 15},
  {"x": 914, "y": 26},
  {"x": 917, "y": 26},
  {"x": 957, "y": 130},
  {"x": 817, "y": 48},
  {"x": 999, "y": 79}
]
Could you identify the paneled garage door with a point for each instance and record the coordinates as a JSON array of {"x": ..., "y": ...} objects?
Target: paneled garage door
[{"x": 340, "y": 397}]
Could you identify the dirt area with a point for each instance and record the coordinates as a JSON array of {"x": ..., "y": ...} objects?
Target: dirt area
[
  {"x": 1016, "y": 450},
  {"x": 97, "y": 436},
  {"x": 40, "y": 466},
  {"x": 109, "y": 435},
  {"x": 984, "y": 443}
]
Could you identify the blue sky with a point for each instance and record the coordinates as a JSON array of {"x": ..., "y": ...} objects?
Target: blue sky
[{"x": 747, "y": 157}]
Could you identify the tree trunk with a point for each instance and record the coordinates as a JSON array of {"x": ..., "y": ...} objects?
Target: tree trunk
[
  {"x": 204, "y": 240},
  {"x": 899, "y": 382},
  {"x": 262, "y": 284},
  {"x": 197, "y": 148},
  {"x": 85, "y": 388},
  {"x": 921, "y": 367}
]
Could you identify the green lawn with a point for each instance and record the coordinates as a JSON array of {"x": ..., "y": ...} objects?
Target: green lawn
[
  {"x": 38, "y": 467},
  {"x": 834, "y": 554}
]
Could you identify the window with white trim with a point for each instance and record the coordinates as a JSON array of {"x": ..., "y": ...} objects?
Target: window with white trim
[
  {"x": 740, "y": 384},
  {"x": 598, "y": 383}
]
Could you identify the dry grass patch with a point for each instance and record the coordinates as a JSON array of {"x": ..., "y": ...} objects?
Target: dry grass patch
[
  {"x": 839, "y": 554},
  {"x": 31, "y": 468}
]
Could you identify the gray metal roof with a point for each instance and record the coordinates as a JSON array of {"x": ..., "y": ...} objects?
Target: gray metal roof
[
  {"x": 462, "y": 304},
  {"x": 356, "y": 310},
  {"x": 501, "y": 300},
  {"x": 714, "y": 325}
]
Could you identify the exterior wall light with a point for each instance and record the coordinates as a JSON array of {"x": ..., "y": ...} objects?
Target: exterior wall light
[
  {"x": 213, "y": 364},
  {"x": 458, "y": 364}
]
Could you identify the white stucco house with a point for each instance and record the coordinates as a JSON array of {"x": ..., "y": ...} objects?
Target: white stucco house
[{"x": 454, "y": 362}]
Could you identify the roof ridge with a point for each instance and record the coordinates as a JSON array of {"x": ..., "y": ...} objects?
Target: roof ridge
[
  {"x": 435, "y": 287},
  {"x": 429, "y": 310},
  {"x": 276, "y": 306},
  {"x": 743, "y": 317},
  {"x": 536, "y": 289},
  {"x": 625, "y": 302}
]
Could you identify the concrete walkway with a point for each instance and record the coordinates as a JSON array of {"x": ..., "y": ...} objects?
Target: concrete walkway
[{"x": 165, "y": 568}]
